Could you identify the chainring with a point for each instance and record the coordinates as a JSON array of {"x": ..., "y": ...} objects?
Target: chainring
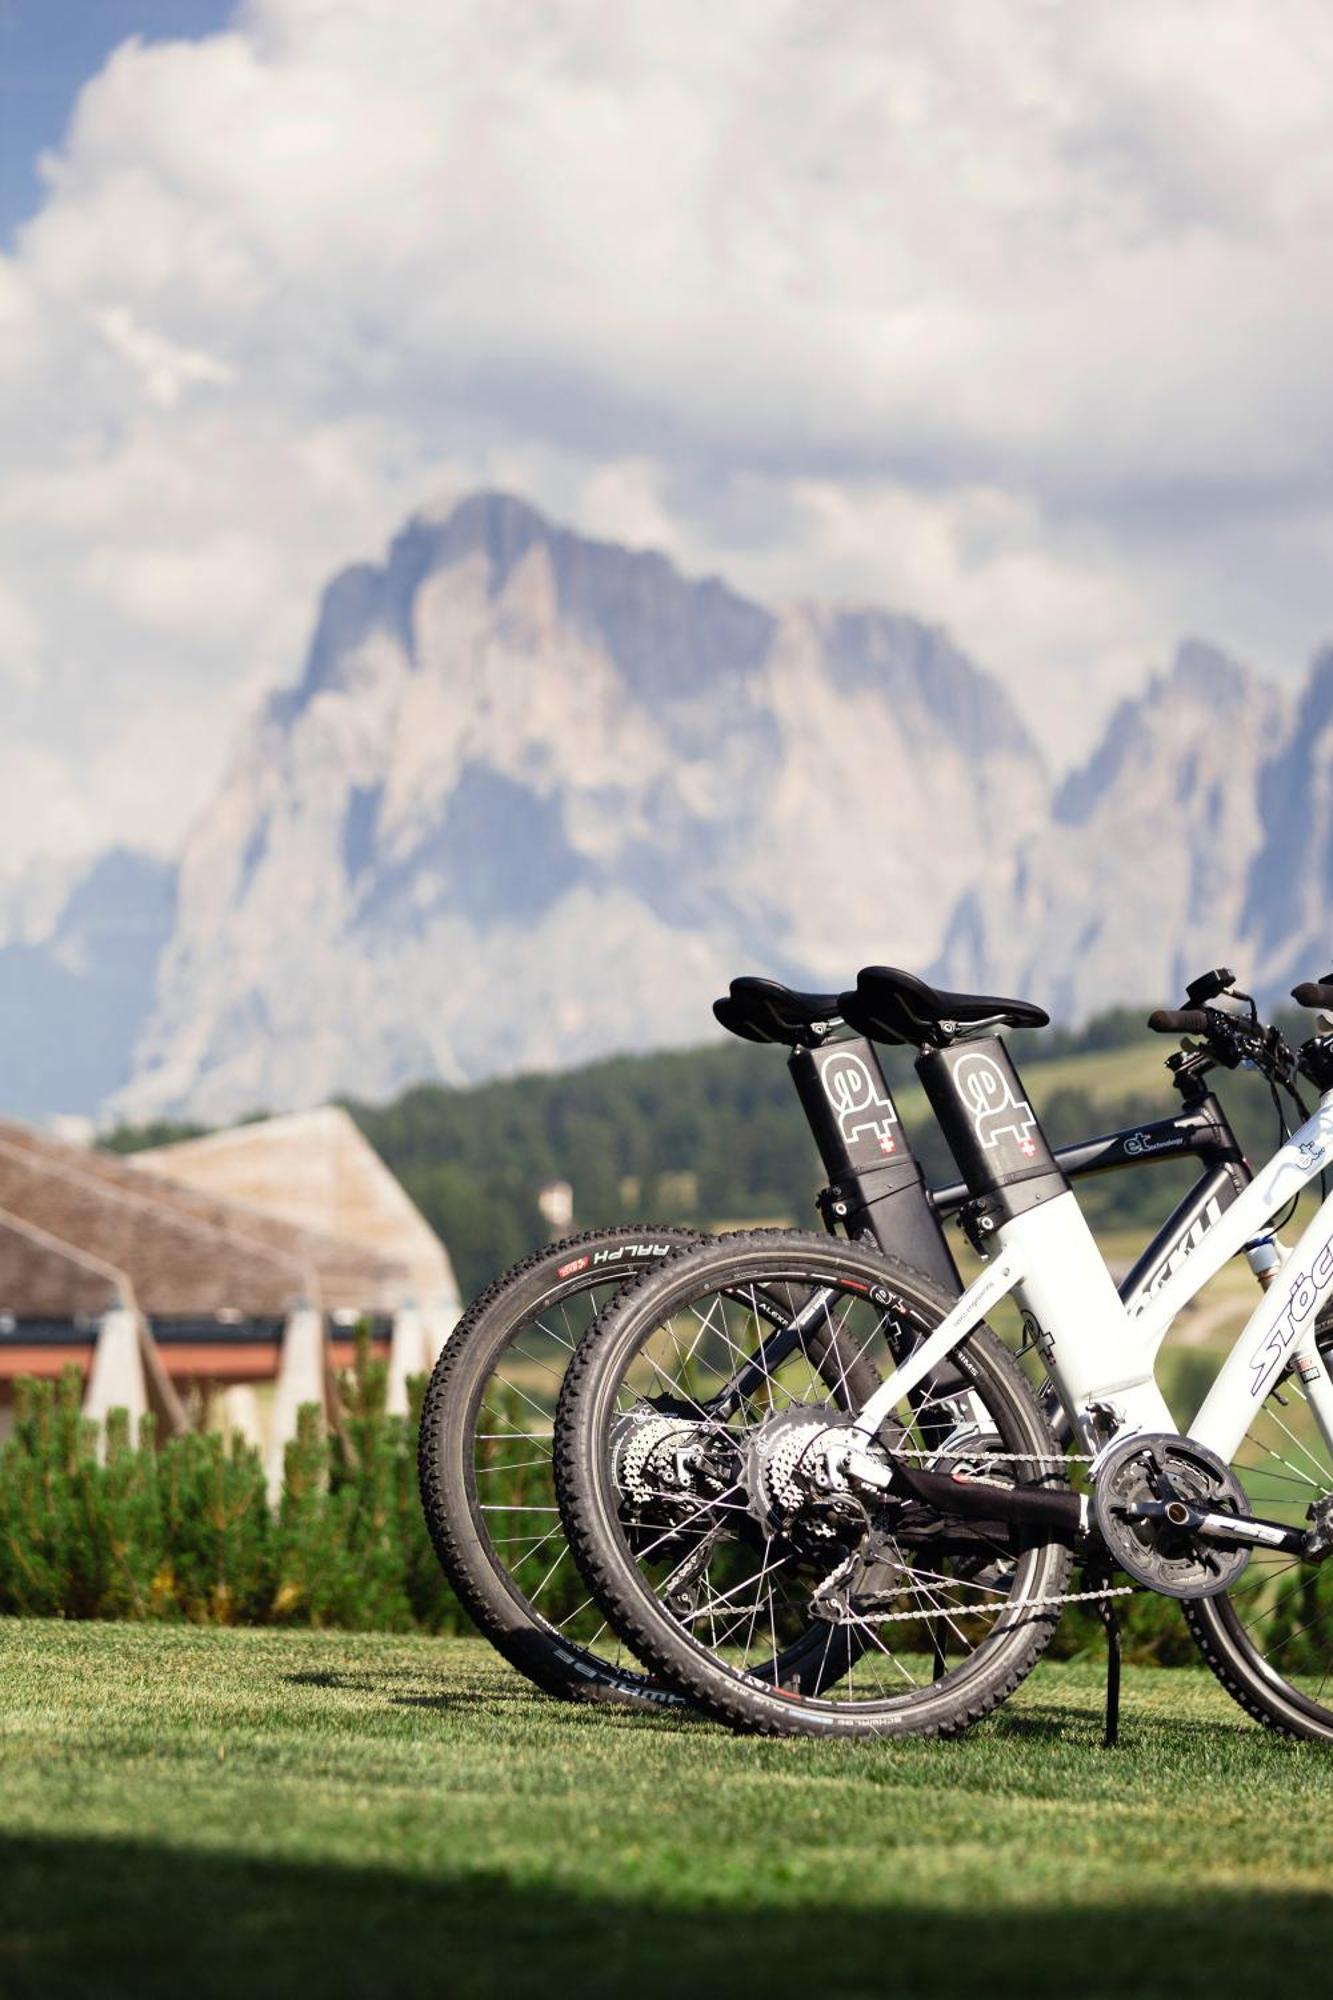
[{"x": 1178, "y": 1562}]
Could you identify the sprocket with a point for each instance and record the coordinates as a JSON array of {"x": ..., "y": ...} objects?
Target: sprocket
[
  {"x": 1157, "y": 1472},
  {"x": 789, "y": 1487}
]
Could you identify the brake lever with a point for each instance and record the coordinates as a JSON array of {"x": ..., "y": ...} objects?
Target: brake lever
[
  {"x": 1286, "y": 1068},
  {"x": 1315, "y": 1061},
  {"x": 1248, "y": 1041}
]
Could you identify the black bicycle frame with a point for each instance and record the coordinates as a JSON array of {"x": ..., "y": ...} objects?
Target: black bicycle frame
[{"x": 1203, "y": 1133}]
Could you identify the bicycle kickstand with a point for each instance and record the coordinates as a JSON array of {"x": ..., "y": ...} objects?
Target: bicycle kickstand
[{"x": 1107, "y": 1612}]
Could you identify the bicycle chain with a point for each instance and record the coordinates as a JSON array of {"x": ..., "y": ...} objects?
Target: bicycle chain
[{"x": 1022, "y": 1604}]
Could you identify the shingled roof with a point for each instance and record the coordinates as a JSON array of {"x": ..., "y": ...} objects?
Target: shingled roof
[
  {"x": 172, "y": 1250},
  {"x": 319, "y": 1171}
]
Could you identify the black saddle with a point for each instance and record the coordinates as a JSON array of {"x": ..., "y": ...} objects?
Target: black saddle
[
  {"x": 893, "y": 1006},
  {"x": 760, "y": 1010}
]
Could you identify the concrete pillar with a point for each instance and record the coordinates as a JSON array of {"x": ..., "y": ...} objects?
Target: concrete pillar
[
  {"x": 301, "y": 1379},
  {"x": 240, "y": 1413},
  {"x": 441, "y": 1318},
  {"x": 116, "y": 1379},
  {"x": 407, "y": 1356}
]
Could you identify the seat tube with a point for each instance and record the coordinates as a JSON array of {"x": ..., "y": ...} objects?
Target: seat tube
[{"x": 1071, "y": 1310}]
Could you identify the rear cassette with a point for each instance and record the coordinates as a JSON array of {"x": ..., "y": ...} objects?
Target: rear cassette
[{"x": 1137, "y": 1483}]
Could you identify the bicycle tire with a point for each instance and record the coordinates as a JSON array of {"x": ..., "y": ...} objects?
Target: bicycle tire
[
  {"x": 578, "y": 1267},
  {"x": 1257, "y": 1653},
  {"x": 591, "y": 1504}
]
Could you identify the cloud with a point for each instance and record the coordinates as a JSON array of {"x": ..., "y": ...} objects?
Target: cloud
[
  {"x": 1013, "y": 315},
  {"x": 164, "y": 369}
]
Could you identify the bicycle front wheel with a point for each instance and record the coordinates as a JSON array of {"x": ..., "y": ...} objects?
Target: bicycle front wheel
[{"x": 1269, "y": 1639}]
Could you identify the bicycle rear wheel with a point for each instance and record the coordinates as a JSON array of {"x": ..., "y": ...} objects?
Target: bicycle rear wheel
[
  {"x": 484, "y": 1464},
  {"x": 689, "y": 1462}
]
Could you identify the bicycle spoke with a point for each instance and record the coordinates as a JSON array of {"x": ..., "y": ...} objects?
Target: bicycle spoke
[{"x": 751, "y": 1595}]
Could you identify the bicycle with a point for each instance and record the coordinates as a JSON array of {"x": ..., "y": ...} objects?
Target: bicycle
[
  {"x": 486, "y": 1439},
  {"x": 910, "y": 1519},
  {"x": 493, "y": 1390}
]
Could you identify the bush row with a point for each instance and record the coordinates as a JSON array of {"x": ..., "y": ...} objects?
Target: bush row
[{"x": 183, "y": 1529}]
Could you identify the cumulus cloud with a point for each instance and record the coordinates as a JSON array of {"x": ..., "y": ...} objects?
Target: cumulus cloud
[
  {"x": 165, "y": 370},
  {"x": 1013, "y": 315}
]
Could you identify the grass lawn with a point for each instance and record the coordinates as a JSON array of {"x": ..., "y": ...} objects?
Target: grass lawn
[{"x": 248, "y": 1813}]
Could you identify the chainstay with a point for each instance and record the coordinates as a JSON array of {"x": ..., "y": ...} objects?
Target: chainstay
[{"x": 1022, "y": 1603}]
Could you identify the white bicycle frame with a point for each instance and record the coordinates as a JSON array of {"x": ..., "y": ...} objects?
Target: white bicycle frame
[{"x": 1102, "y": 1357}]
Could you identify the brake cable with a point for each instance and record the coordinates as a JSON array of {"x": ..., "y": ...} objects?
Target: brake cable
[{"x": 1279, "y": 1075}]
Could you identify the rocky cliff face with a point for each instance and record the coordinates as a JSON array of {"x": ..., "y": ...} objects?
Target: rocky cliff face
[
  {"x": 536, "y": 797},
  {"x": 1288, "y": 910},
  {"x": 1139, "y": 880}
]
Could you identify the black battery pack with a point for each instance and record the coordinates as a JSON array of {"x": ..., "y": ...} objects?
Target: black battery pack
[{"x": 868, "y": 1158}]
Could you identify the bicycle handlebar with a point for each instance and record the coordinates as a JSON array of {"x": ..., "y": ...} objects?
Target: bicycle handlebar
[
  {"x": 1229, "y": 1039},
  {"x": 1233, "y": 1040},
  {"x": 1180, "y": 1021}
]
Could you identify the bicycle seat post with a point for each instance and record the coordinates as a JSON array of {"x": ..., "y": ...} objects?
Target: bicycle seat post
[{"x": 876, "y": 1187}]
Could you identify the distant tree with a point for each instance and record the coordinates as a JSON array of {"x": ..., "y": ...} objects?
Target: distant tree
[{"x": 158, "y": 1132}]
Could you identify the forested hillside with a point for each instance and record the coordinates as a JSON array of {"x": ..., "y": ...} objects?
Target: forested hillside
[{"x": 716, "y": 1135}]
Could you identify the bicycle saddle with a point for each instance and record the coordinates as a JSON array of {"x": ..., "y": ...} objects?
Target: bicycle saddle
[
  {"x": 893, "y": 1006},
  {"x": 760, "y": 1010}
]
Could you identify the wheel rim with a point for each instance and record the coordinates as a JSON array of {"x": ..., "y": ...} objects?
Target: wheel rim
[
  {"x": 510, "y": 1477},
  {"x": 746, "y": 1591}
]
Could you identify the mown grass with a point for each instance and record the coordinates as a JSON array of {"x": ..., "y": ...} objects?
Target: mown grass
[{"x": 254, "y": 1813}]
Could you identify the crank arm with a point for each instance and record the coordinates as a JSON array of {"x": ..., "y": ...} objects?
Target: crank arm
[{"x": 1217, "y": 1527}]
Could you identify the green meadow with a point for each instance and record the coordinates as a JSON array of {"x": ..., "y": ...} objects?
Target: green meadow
[{"x": 192, "y": 1812}]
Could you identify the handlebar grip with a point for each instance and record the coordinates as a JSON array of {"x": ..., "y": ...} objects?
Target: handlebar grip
[
  {"x": 1179, "y": 1021},
  {"x": 1313, "y": 993}
]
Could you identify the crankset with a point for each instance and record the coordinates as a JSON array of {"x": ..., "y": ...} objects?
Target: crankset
[{"x": 1175, "y": 1518}]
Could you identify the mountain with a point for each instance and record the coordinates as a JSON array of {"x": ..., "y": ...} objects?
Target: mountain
[
  {"x": 1140, "y": 878},
  {"x": 536, "y": 797},
  {"x": 1289, "y": 893},
  {"x": 79, "y": 950}
]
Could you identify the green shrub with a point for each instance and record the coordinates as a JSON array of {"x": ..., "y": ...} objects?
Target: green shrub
[
  {"x": 217, "y": 1564},
  {"x": 184, "y": 1530}
]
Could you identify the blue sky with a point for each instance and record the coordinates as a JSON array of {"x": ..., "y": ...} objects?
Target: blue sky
[{"x": 48, "y": 49}]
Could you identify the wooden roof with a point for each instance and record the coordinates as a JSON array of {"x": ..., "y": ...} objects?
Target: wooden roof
[
  {"x": 318, "y": 1171},
  {"x": 46, "y": 1279}
]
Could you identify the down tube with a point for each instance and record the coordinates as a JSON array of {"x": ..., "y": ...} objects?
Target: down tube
[
  {"x": 1205, "y": 1203},
  {"x": 1282, "y": 1324}
]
